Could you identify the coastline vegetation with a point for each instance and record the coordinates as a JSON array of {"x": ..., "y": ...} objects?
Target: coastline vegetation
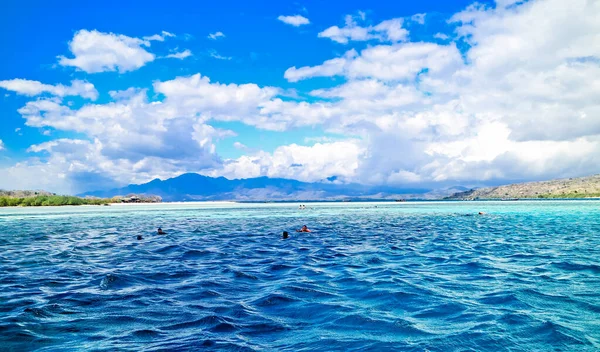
[
  {"x": 52, "y": 200},
  {"x": 42, "y": 199},
  {"x": 569, "y": 195}
]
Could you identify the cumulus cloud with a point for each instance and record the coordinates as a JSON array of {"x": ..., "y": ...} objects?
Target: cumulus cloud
[
  {"x": 132, "y": 138},
  {"x": 196, "y": 95},
  {"x": 298, "y": 162},
  {"x": 95, "y": 51},
  {"x": 386, "y": 31},
  {"x": 159, "y": 37},
  {"x": 33, "y": 88},
  {"x": 129, "y": 139},
  {"x": 240, "y": 146},
  {"x": 71, "y": 166},
  {"x": 418, "y": 18},
  {"x": 517, "y": 101},
  {"x": 216, "y": 35},
  {"x": 180, "y": 55},
  {"x": 519, "y": 106},
  {"x": 296, "y": 20},
  {"x": 385, "y": 62}
]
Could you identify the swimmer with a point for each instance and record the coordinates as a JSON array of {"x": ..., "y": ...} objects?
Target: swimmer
[
  {"x": 303, "y": 229},
  {"x": 285, "y": 235},
  {"x": 139, "y": 237},
  {"x": 481, "y": 213},
  {"x": 161, "y": 232}
]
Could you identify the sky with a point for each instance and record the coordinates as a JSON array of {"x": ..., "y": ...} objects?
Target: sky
[{"x": 95, "y": 95}]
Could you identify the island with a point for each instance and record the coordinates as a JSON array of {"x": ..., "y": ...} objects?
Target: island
[
  {"x": 569, "y": 188},
  {"x": 43, "y": 198}
]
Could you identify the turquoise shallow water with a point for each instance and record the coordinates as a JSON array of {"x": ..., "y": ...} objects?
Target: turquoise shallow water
[{"x": 393, "y": 276}]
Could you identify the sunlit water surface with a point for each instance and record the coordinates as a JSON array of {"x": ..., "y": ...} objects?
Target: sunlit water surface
[{"x": 393, "y": 276}]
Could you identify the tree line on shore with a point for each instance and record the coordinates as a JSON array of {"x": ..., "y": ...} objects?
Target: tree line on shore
[
  {"x": 44, "y": 200},
  {"x": 41, "y": 200}
]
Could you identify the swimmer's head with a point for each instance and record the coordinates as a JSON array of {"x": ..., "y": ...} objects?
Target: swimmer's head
[
  {"x": 285, "y": 235},
  {"x": 139, "y": 237}
]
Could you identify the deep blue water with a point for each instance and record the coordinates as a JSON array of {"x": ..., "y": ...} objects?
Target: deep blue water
[{"x": 399, "y": 276}]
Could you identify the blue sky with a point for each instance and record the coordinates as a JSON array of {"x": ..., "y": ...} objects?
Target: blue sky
[
  {"x": 261, "y": 47},
  {"x": 427, "y": 93}
]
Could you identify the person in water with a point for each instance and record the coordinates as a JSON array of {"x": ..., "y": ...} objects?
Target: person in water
[
  {"x": 303, "y": 229},
  {"x": 285, "y": 235},
  {"x": 139, "y": 237},
  {"x": 161, "y": 232}
]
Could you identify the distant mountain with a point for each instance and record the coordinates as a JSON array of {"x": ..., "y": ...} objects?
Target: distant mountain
[
  {"x": 191, "y": 186},
  {"x": 581, "y": 187}
]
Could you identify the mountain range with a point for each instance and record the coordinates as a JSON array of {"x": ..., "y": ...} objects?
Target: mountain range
[{"x": 196, "y": 187}]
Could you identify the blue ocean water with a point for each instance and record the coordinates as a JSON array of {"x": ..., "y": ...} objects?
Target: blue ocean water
[{"x": 370, "y": 277}]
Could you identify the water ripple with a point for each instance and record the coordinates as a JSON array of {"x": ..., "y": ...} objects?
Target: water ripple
[{"x": 412, "y": 277}]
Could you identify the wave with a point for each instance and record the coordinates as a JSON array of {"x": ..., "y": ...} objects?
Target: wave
[{"x": 398, "y": 278}]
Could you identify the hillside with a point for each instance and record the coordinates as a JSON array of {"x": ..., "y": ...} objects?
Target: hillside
[
  {"x": 191, "y": 186},
  {"x": 581, "y": 187}
]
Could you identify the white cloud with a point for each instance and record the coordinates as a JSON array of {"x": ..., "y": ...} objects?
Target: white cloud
[
  {"x": 180, "y": 55},
  {"x": 72, "y": 166},
  {"x": 441, "y": 36},
  {"x": 520, "y": 102},
  {"x": 385, "y": 62},
  {"x": 386, "y": 31},
  {"x": 216, "y": 35},
  {"x": 197, "y": 95},
  {"x": 17, "y": 129},
  {"x": 418, "y": 18},
  {"x": 126, "y": 94},
  {"x": 240, "y": 146},
  {"x": 215, "y": 55},
  {"x": 99, "y": 52},
  {"x": 319, "y": 139},
  {"x": 130, "y": 139},
  {"x": 159, "y": 37},
  {"x": 501, "y": 4},
  {"x": 329, "y": 68},
  {"x": 296, "y": 20},
  {"x": 33, "y": 88},
  {"x": 2, "y": 145},
  {"x": 299, "y": 162}
]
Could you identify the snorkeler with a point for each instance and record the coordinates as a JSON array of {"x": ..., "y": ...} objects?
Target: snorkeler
[
  {"x": 303, "y": 229},
  {"x": 161, "y": 232}
]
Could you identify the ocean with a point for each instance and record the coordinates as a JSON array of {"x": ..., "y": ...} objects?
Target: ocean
[{"x": 431, "y": 276}]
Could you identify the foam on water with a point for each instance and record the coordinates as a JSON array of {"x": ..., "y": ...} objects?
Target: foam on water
[{"x": 387, "y": 276}]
